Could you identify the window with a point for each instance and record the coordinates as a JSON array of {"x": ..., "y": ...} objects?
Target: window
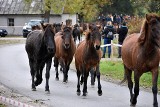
[{"x": 10, "y": 21}]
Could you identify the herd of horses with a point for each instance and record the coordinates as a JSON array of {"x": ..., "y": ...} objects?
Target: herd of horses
[{"x": 140, "y": 53}]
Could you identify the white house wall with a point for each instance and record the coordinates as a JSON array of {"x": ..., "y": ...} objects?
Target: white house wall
[
  {"x": 20, "y": 20},
  {"x": 69, "y": 16}
]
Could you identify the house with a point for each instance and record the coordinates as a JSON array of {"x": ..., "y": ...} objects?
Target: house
[{"x": 15, "y": 13}]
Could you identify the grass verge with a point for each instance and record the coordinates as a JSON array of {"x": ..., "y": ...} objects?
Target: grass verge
[{"x": 114, "y": 70}]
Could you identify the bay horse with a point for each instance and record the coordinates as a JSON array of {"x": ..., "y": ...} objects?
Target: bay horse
[
  {"x": 87, "y": 57},
  {"x": 40, "y": 47},
  {"x": 65, "y": 49},
  {"x": 140, "y": 53}
]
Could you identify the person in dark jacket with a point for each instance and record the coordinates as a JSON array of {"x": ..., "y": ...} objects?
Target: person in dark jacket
[
  {"x": 107, "y": 40},
  {"x": 122, "y": 31}
]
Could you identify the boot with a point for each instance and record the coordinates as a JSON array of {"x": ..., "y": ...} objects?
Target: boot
[{"x": 103, "y": 56}]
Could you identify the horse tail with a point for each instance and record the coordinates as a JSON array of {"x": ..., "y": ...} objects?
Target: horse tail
[{"x": 124, "y": 78}]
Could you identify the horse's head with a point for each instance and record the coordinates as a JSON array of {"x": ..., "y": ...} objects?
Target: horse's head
[
  {"x": 49, "y": 38},
  {"x": 94, "y": 36},
  {"x": 57, "y": 26},
  {"x": 151, "y": 29},
  {"x": 67, "y": 36}
]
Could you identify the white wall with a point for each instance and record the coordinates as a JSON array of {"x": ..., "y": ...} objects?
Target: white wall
[
  {"x": 20, "y": 20},
  {"x": 69, "y": 16}
]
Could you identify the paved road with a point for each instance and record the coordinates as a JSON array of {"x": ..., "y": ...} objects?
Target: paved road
[{"x": 14, "y": 73}]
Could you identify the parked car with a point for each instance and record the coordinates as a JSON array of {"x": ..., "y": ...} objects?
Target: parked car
[
  {"x": 27, "y": 28},
  {"x": 3, "y": 32}
]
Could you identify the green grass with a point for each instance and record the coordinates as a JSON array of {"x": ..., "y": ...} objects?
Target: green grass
[
  {"x": 2, "y": 105},
  {"x": 114, "y": 70}
]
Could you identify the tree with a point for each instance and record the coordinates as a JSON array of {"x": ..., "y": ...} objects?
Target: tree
[
  {"x": 87, "y": 9},
  {"x": 118, "y": 7}
]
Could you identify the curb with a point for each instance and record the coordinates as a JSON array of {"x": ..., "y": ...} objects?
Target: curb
[{"x": 14, "y": 102}]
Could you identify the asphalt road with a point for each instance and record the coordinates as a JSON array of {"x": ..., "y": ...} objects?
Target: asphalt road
[{"x": 15, "y": 74}]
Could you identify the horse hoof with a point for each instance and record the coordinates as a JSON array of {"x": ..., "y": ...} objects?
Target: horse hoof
[
  {"x": 92, "y": 86},
  {"x": 85, "y": 94},
  {"x": 65, "y": 81},
  {"x": 99, "y": 92},
  {"x": 132, "y": 105},
  {"x": 47, "y": 92},
  {"x": 78, "y": 93},
  {"x": 57, "y": 79},
  {"x": 155, "y": 104},
  {"x": 33, "y": 89}
]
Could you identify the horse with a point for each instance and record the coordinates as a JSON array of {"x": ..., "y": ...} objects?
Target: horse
[
  {"x": 83, "y": 28},
  {"x": 65, "y": 49},
  {"x": 140, "y": 53},
  {"x": 87, "y": 57},
  {"x": 57, "y": 26},
  {"x": 40, "y": 47},
  {"x": 76, "y": 33},
  {"x": 36, "y": 27}
]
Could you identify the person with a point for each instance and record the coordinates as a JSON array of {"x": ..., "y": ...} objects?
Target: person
[
  {"x": 122, "y": 31},
  {"x": 107, "y": 40}
]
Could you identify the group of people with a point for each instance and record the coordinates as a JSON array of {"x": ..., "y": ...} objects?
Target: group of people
[{"x": 108, "y": 34}]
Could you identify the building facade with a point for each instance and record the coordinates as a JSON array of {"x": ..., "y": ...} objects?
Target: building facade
[{"x": 15, "y": 13}]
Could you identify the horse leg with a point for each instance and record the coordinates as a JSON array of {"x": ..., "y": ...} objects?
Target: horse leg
[
  {"x": 92, "y": 76},
  {"x": 98, "y": 79},
  {"x": 40, "y": 73},
  {"x": 136, "y": 88},
  {"x": 154, "y": 87},
  {"x": 81, "y": 82},
  {"x": 32, "y": 71},
  {"x": 78, "y": 83},
  {"x": 79, "y": 38},
  {"x": 128, "y": 74},
  {"x": 48, "y": 67},
  {"x": 86, "y": 73},
  {"x": 65, "y": 73},
  {"x": 56, "y": 63}
]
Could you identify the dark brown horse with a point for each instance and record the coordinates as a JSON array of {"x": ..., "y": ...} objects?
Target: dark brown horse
[
  {"x": 87, "y": 57},
  {"x": 65, "y": 49},
  {"x": 140, "y": 53},
  {"x": 76, "y": 33},
  {"x": 40, "y": 47},
  {"x": 58, "y": 27}
]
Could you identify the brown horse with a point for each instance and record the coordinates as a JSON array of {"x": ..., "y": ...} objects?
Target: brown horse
[
  {"x": 87, "y": 57},
  {"x": 140, "y": 53},
  {"x": 65, "y": 49},
  {"x": 40, "y": 47}
]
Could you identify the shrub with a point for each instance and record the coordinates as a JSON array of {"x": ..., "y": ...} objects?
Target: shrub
[{"x": 134, "y": 25}]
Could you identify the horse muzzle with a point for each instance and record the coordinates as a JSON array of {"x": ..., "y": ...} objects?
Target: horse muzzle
[
  {"x": 50, "y": 50},
  {"x": 97, "y": 47},
  {"x": 67, "y": 46}
]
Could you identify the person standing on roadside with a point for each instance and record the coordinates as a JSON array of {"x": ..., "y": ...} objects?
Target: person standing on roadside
[
  {"x": 122, "y": 31},
  {"x": 107, "y": 35}
]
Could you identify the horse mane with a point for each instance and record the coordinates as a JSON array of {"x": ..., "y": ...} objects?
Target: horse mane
[
  {"x": 145, "y": 27},
  {"x": 143, "y": 32},
  {"x": 91, "y": 28},
  {"x": 67, "y": 28}
]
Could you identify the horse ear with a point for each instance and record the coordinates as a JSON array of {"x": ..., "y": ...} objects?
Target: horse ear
[
  {"x": 142, "y": 36},
  {"x": 88, "y": 36},
  {"x": 148, "y": 17}
]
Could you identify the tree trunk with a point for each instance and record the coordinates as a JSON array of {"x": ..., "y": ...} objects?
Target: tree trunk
[{"x": 46, "y": 16}]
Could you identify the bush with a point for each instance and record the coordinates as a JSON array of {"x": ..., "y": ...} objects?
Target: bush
[{"x": 134, "y": 25}]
